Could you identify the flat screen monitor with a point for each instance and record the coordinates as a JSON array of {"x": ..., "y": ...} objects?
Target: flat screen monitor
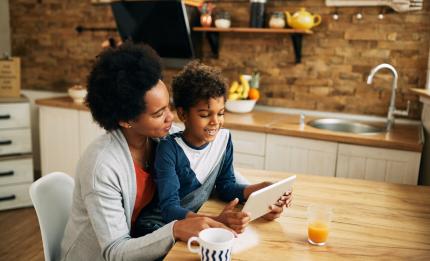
[{"x": 162, "y": 24}]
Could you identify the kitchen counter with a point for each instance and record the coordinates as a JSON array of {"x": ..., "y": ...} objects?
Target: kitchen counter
[
  {"x": 421, "y": 92},
  {"x": 370, "y": 221},
  {"x": 403, "y": 137}
]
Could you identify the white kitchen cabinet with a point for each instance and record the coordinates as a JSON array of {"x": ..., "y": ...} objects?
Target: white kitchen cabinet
[
  {"x": 64, "y": 135},
  {"x": 362, "y": 162},
  {"x": 16, "y": 160},
  {"x": 88, "y": 130},
  {"x": 16, "y": 170},
  {"x": 242, "y": 160},
  {"x": 249, "y": 149},
  {"x": 298, "y": 155},
  {"x": 59, "y": 139}
]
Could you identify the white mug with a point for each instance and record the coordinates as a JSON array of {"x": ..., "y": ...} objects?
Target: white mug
[{"x": 215, "y": 244}]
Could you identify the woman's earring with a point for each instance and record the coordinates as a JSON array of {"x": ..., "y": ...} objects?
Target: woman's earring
[{"x": 129, "y": 126}]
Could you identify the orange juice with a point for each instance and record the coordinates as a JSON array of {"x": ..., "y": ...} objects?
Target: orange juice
[{"x": 318, "y": 232}]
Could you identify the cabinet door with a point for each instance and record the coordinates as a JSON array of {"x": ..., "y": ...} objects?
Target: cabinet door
[
  {"x": 242, "y": 160},
  {"x": 300, "y": 155},
  {"x": 249, "y": 142},
  {"x": 378, "y": 164},
  {"x": 59, "y": 139},
  {"x": 88, "y": 130}
]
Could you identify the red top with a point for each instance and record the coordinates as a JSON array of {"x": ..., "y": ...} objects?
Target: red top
[{"x": 145, "y": 189}]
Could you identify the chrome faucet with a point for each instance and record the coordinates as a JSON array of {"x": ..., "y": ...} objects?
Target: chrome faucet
[{"x": 392, "y": 108}]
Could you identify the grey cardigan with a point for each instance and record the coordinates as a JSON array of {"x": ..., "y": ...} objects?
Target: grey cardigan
[{"x": 103, "y": 202}]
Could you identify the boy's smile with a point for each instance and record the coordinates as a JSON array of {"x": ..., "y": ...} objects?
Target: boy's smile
[{"x": 203, "y": 121}]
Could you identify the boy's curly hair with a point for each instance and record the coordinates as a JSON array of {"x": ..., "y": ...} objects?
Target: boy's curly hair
[
  {"x": 197, "y": 82},
  {"x": 119, "y": 81}
]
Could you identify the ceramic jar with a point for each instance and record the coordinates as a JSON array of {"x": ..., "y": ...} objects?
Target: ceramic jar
[
  {"x": 277, "y": 20},
  {"x": 223, "y": 20}
]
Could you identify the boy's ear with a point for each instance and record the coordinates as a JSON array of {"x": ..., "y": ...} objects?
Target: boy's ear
[{"x": 181, "y": 114}]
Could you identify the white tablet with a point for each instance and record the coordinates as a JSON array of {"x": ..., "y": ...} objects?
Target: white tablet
[{"x": 259, "y": 201}]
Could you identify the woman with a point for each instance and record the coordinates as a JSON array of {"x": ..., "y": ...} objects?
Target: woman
[{"x": 127, "y": 98}]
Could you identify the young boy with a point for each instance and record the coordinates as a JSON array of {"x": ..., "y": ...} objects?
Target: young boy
[{"x": 190, "y": 164}]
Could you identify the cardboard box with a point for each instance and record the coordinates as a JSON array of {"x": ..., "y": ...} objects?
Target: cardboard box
[{"x": 10, "y": 77}]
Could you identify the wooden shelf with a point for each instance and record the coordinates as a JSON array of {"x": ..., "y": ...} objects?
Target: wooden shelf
[
  {"x": 252, "y": 30},
  {"x": 212, "y": 33}
]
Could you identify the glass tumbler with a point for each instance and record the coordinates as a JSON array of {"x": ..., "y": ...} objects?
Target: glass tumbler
[{"x": 319, "y": 218}]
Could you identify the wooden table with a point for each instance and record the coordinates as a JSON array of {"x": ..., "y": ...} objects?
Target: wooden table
[{"x": 371, "y": 220}]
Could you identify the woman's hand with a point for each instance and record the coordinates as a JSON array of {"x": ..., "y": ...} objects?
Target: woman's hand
[
  {"x": 188, "y": 227},
  {"x": 236, "y": 220},
  {"x": 278, "y": 207}
]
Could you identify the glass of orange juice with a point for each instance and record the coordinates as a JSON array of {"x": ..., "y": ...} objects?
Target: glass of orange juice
[{"x": 319, "y": 218}]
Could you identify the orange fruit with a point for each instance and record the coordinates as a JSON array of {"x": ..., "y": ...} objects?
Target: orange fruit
[{"x": 254, "y": 94}]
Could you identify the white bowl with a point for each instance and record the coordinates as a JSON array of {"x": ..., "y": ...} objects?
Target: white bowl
[
  {"x": 77, "y": 93},
  {"x": 222, "y": 23},
  {"x": 240, "y": 106}
]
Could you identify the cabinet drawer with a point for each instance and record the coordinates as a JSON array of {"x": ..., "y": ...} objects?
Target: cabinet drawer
[
  {"x": 15, "y": 141},
  {"x": 248, "y": 161},
  {"x": 249, "y": 142},
  {"x": 16, "y": 171},
  {"x": 13, "y": 196},
  {"x": 14, "y": 115}
]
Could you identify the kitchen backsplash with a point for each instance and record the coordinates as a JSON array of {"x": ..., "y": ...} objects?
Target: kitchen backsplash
[{"x": 336, "y": 59}]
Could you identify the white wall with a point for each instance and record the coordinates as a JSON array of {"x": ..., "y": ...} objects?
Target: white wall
[
  {"x": 4, "y": 27},
  {"x": 32, "y": 96}
]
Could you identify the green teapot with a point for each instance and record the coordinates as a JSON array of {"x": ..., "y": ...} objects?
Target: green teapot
[{"x": 302, "y": 19}]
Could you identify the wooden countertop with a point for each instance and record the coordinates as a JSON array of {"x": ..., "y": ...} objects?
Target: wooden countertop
[
  {"x": 371, "y": 220},
  {"x": 62, "y": 102},
  {"x": 403, "y": 137},
  {"x": 421, "y": 92}
]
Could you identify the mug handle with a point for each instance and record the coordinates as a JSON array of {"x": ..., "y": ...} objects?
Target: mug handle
[{"x": 191, "y": 248}]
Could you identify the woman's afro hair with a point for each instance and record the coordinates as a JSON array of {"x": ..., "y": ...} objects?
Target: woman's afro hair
[{"x": 118, "y": 82}]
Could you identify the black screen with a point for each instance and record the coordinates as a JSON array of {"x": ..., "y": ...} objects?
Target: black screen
[{"x": 161, "y": 24}]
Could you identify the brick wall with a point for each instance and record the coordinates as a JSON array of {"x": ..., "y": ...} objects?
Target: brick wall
[{"x": 335, "y": 63}]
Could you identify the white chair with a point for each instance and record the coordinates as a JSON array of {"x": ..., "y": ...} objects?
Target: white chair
[{"x": 52, "y": 199}]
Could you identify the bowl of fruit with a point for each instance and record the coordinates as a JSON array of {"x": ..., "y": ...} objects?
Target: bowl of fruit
[{"x": 243, "y": 96}]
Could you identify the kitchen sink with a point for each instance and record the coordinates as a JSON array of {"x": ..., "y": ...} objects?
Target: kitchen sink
[{"x": 345, "y": 126}]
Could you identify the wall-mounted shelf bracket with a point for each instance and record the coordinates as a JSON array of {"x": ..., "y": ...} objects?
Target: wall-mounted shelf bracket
[{"x": 212, "y": 34}]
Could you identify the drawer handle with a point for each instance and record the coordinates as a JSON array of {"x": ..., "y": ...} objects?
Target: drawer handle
[
  {"x": 4, "y": 117},
  {"x": 10, "y": 197},
  {"x": 7, "y": 173},
  {"x": 5, "y": 142}
]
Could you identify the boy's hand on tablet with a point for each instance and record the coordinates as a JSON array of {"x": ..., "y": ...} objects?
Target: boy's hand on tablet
[
  {"x": 278, "y": 207},
  {"x": 236, "y": 220}
]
